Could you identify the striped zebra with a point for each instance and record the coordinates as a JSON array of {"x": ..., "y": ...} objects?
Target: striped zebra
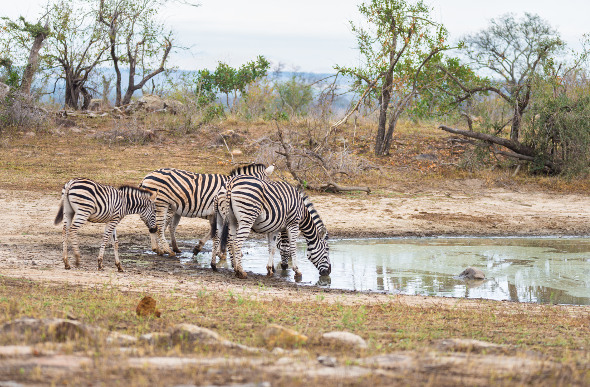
[
  {"x": 85, "y": 200},
  {"x": 182, "y": 193},
  {"x": 282, "y": 241},
  {"x": 270, "y": 208}
]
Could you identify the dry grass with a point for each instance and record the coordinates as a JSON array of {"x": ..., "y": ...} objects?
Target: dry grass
[
  {"x": 389, "y": 327},
  {"x": 118, "y": 152}
]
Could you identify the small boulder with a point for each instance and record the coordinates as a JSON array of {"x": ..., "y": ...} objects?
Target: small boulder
[
  {"x": 277, "y": 336},
  {"x": 147, "y": 307},
  {"x": 151, "y": 103},
  {"x": 344, "y": 339},
  {"x": 185, "y": 334},
  {"x": 121, "y": 339},
  {"x": 158, "y": 339},
  {"x": 472, "y": 273}
]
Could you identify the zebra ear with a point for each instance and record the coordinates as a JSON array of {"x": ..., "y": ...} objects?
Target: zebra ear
[{"x": 270, "y": 169}]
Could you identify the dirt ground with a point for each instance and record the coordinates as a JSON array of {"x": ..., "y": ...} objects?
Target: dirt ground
[{"x": 30, "y": 245}]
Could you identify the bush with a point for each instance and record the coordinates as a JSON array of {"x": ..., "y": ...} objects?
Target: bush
[
  {"x": 560, "y": 132},
  {"x": 20, "y": 111}
]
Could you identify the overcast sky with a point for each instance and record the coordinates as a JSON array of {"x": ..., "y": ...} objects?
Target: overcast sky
[{"x": 314, "y": 35}]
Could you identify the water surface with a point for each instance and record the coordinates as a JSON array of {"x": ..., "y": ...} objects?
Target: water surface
[{"x": 541, "y": 270}]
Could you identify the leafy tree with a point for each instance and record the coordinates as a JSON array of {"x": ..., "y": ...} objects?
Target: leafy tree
[
  {"x": 228, "y": 80},
  {"x": 398, "y": 45},
  {"x": 295, "y": 94}
]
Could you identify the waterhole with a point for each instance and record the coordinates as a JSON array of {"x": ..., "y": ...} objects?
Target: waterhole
[{"x": 540, "y": 270}]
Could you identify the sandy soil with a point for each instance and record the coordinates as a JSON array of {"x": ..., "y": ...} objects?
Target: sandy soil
[{"x": 30, "y": 245}]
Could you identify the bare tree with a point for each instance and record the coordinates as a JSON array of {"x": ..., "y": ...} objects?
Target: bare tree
[
  {"x": 512, "y": 51},
  {"x": 136, "y": 39},
  {"x": 76, "y": 47}
]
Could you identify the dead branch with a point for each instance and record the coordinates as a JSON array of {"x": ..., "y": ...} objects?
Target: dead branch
[
  {"x": 331, "y": 186},
  {"x": 519, "y": 149}
]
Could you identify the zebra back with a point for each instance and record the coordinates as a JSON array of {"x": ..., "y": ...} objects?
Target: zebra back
[
  {"x": 193, "y": 194},
  {"x": 258, "y": 170}
]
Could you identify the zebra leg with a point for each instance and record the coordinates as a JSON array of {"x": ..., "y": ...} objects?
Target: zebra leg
[
  {"x": 116, "y": 248},
  {"x": 272, "y": 247},
  {"x": 78, "y": 220},
  {"x": 108, "y": 233},
  {"x": 236, "y": 251},
  {"x": 293, "y": 231},
  {"x": 65, "y": 234},
  {"x": 283, "y": 245},
  {"x": 162, "y": 221},
  {"x": 202, "y": 242},
  {"x": 173, "y": 224}
]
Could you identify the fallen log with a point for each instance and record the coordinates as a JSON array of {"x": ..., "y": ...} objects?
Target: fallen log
[{"x": 521, "y": 151}]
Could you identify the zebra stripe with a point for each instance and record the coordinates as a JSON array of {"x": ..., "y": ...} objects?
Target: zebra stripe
[
  {"x": 86, "y": 200},
  {"x": 183, "y": 193},
  {"x": 268, "y": 207}
]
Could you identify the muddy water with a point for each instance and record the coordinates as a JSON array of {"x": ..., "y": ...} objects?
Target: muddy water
[{"x": 541, "y": 270}]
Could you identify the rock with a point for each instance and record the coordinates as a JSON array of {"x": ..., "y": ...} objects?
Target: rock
[
  {"x": 158, "y": 339},
  {"x": 147, "y": 307},
  {"x": 4, "y": 89},
  {"x": 469, "y": 345},
  {"x": 472, "y": 273},
  {"x": 327, "y": 361},
  {"x": 48, "y": 329},
  {"x": 95, "y": 104},
  {"x": 236, "y": 152},
  {"x": 121, "y": 339},
  {"x": 426, "y": 157},
  {"x": 344, "y": 339},
  {"x": 275, "y": 335},
  {"x": 185, "y": 334},
  {"x": 173, "y": 106},
  {"x": 151, "y": 103}
]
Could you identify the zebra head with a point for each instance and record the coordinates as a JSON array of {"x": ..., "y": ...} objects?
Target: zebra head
[
  {"x": 316, "y": 234},
  {"x": 319, "y": 254},
  {"x": 142, "y": 201}
]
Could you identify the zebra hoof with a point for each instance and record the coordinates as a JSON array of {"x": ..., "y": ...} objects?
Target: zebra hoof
[
  {"x": 196, "y": 250},
  {"x": 67, "y": 267},
  {"x": 284, "y": 266},
  {"x": 171, "y": 254},
  {"x": 177, "y": 250},
  {"x": 241, "y": 275},
  {"x": 270, "y": 271},
  {"x": 120, "y": 269},
  {"x": 213, "y": 266}
]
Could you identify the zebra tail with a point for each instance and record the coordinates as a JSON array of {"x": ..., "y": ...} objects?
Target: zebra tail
[
  {"x": 224, "y": 235},
  {"x": 60, "y": 214}
]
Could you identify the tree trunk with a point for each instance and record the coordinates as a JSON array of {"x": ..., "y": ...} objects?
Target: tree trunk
[
  {"x": 71, "y": 91},
  {"x": 33, "y": 63},
  {"x": 380, "y": 139}
]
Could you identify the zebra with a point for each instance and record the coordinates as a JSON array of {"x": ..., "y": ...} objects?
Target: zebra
[
  {"x": 270, "y": 208},
  {"x": 86, "y": 200},
  {"x": 183, "y": 193},
  {"x": 282, "y": 241}
]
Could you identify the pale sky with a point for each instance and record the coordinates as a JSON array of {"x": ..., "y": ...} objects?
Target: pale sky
[{"x": 314, "y": 35}]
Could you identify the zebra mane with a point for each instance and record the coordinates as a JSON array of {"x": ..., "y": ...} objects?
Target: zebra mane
[
  {"x": 248, "y": 169},
  {"x": 313, "y": 213},
  {"x": 127, "y": 187}
]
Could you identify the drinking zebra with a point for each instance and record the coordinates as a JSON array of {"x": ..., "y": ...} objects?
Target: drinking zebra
[
  {"x": 86, "y": 200},
  {"x": 183, "y": 193},
  {"x": 282, "y": 241},
  {"x": 270, "y": 208}
]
